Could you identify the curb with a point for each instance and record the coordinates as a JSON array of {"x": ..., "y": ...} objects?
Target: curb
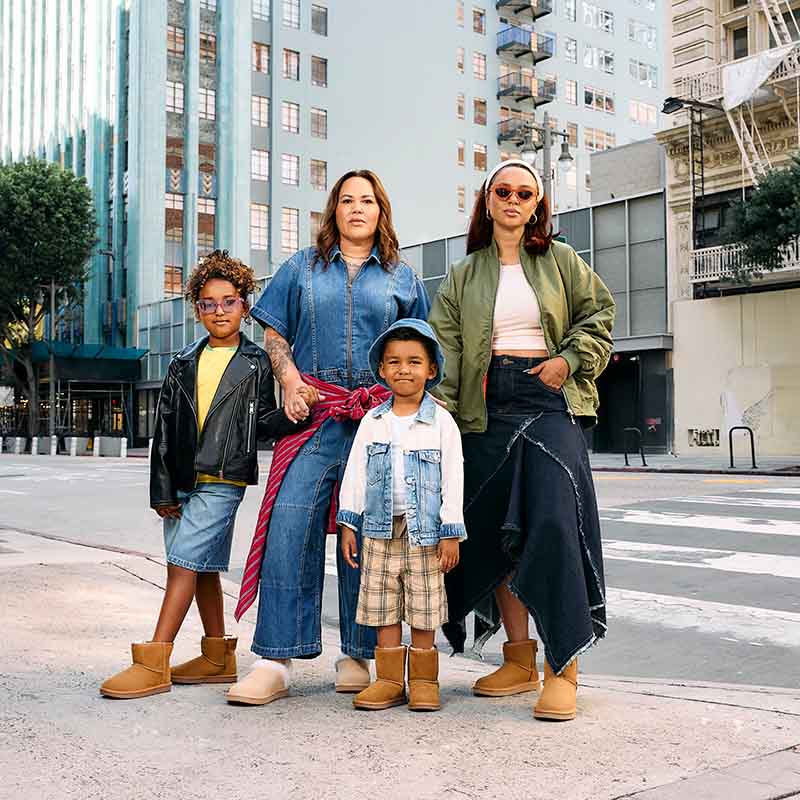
[{"x": 781, "y": 472}]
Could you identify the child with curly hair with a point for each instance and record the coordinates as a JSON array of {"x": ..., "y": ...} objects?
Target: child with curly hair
[{"x": 217, "y": 401}]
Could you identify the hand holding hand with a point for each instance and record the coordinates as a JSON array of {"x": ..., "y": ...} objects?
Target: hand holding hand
[
  {"x": 552, "y": 372},
  {"x": 310, "y": 394},
  {"x": 349, "y": 546},
  {"x": 294, "y": 403},
  {"x": 447, "y": 554}
]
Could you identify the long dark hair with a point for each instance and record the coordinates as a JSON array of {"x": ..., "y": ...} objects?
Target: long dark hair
[
  {"x": 385, "y": 237},
  {"x": 536, "y": 237}
]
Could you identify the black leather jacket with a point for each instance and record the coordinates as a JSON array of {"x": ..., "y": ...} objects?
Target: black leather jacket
[{"x": 243, "y": 412}]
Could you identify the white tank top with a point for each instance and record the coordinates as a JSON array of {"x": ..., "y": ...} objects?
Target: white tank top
[{"x": 517, "y": 322}]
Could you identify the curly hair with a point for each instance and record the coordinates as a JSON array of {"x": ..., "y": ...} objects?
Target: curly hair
[{"x": 223, "y": 266}]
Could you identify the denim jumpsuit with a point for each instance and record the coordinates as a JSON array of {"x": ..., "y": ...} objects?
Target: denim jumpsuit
[{"x": 330, "y": 324}]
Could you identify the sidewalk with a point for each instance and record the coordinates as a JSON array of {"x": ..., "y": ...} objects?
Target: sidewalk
[
  {"x": 72, "y": 610},
  {"x": 713, "y": 463}
]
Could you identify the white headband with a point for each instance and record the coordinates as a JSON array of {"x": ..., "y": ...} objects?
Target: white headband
[{"x": 515, "y": 162}]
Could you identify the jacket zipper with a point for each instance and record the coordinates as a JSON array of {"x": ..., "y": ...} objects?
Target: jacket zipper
[
  {"x": 350, "y": 322},
  {"x": 230, "y": 428},
  {"x": 549, "y": 349},
  {"x": 250, "y": 423}
]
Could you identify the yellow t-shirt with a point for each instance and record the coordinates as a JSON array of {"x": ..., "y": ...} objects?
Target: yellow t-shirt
[{"x": 213, "y": 362}]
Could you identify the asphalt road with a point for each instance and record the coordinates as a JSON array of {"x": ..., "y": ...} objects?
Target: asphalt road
[{"x": 703, "y": 572}]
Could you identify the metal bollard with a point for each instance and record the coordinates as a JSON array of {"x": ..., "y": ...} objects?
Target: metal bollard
[
  {"x": 1, "y": 444},
  {"x": 19, "y": 446},
  {"x": 123, "y": 448},
  {"x": 150, "y": 449},
  {"x": 73, "y": 446},
  {"x": 35, "y": 446},
  {"x": 96, "y": 448},
  {"x": 54, "y": 445}
]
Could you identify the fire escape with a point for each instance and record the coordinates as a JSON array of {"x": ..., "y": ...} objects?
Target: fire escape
[{"x": 521, "y": 48}]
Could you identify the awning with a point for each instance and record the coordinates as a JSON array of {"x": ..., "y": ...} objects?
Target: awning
[
  {"x": 40, "y": 351},
  {"x": 90, "y": 362}
]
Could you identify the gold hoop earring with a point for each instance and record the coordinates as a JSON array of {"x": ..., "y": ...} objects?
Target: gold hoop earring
[{"x": 534, "y": 219}]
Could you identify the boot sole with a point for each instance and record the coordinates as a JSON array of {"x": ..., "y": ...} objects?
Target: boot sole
[
  {"x": 520, "y": 688},
  {"x": 210, "y": 679},
  {"x": 255, "y": 701},
  {"x": 115, "y": 695},
  {"x": 428, "y": 707},
  {"x": 554, "y": 716},
  {"x": 367, "y": 706},
  {"x": 351, "y": 688}
]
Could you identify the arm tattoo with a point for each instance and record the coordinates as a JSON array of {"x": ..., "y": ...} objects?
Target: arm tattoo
[{"x": 280, "y": 354}]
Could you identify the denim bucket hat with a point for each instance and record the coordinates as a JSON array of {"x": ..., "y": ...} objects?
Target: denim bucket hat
[{"x": 422, "y": 327}]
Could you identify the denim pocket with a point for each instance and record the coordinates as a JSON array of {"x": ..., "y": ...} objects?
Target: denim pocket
[
  {"x": 376, "y": 461},
  {"x": 430, "y": 469}
]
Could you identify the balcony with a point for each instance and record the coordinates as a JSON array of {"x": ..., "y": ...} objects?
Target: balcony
[
  {"x": 544, "y": 91},
  {"x": 512, "y": 129},
  {"x": 515, "y": 86},
  {"x": 518, "y": 42},
  {"x": 536, "y": 8},
  {"x": 707, "y": 86},
  {"x": 718, "y": 263}
]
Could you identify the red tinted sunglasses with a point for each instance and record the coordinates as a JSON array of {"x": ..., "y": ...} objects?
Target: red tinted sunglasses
[{"x": 503, "y": 193}]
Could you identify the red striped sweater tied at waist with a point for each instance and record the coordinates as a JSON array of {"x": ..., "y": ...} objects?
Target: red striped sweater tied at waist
[{"x": 338, "y": 403}]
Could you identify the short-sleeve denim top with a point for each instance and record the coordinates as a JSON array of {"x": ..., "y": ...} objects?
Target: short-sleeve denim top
[{"x": 330, "y": 322}]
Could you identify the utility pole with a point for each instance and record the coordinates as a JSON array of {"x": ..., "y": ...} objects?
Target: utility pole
[{"x": 52, "y": 412}]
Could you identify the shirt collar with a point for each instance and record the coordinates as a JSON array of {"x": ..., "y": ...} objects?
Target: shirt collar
[
  {"x": 425, "y": 414},
  {"x": 336, "y": 253}
]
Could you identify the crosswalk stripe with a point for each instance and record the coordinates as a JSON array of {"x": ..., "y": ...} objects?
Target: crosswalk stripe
[
  {"x": 744, "y": 623},
  {"x": 733, "y": 500},
  {"x": 637, "y": 516},
  {"x": 776, "y": 490},
  {"x": 703, "y": 558}
]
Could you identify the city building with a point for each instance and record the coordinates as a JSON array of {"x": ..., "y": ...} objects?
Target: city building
[
  {"x": 736, "y": 79},
  {"x": 202, "y": 124}
]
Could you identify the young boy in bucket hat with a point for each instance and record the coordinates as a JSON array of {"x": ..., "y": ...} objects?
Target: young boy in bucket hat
[{"x": 403, "y": 490}]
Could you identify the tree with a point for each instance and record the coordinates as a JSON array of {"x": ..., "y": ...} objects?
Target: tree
[
  {"x": 767, "y": 221},
  {"x": 47, "y": 232}
]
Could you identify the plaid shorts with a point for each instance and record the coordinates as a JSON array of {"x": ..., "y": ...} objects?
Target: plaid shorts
[{"x": 400, "y": 581}]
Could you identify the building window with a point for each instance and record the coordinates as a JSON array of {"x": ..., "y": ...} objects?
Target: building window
[
  {"x": 174, "y": 153},
  {"x": 290, "y": 222},
  {"x": 479, "y": 109},
  {"x": 479, "y": 157},
  {"x": 642, "y": 113},
  {"x": 173, "y": 280},
  {"x": 173, "y": 217},
  {"x": 319, "y": 123},
  {"x": 261, "y": 58},
  {"x": 207, "y": 107},
  {"x": 208, "y": 48},
  {"x": 206, "y": 224},
  {"x": 571, "y": 50},
  {"x": 479, "y": 66},
  {"x": 461, "y": 198},
  {"x": 598, "y": 99},
  {"x": 460, "y": 60},
  {"x": 319, "y": 20},
  {"x": 175, "y": 97},
  {"x": 291, "y": 65},
  {"x": 650, "y": 5},
  {"x": 595, "y": 139},
  {"x": 571, "y": 92},
  {"x": 645, "y": 74},
  {"x": 460, "y": 150},
  {"x": 739, "y": 41},
  {"x": 259, "y": 164},
  {"x": 290, "y": 117},
  {"x": 597, "y": 18},
  {"x": 479, "y": 20},
  {"x": 259, "y": 110},
  {"x": 206, "y": 205},
  {"x": 319, "y": 175},
  {"x": 208, "y": 5},
  {"x": 315, "y": 224},
  {"x": 598, "y": 58},
  {"x": 291, "y": 13},
  {"x": 173, "y": 200},
  {"x": 460, "y": 104},
  {"x": 261, "y": 9},
  {"x": 572, "y": 134},
  {"x": 319, "y": 71},
  {"x": 460, "y": 12},
  {"x": 642, "y": 33},
  {"x": 290, "y": 169},
  {"x": 176, "y": 41},
  {"x": 570, "y": 10},
  {"x": 259, "y": 226}
]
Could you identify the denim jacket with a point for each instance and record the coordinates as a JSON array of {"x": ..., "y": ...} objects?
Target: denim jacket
[
  {"x": 330, "y": 322},
  {"x": 434, "y": 475}
]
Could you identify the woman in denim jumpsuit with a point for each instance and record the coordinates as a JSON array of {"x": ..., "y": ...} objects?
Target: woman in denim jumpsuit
[{"x": 329, "y": 311}]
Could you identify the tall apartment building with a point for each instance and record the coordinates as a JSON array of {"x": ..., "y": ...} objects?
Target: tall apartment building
[
  {"x": 203, "y": 123},
  {"x": 737, "y": 77}
]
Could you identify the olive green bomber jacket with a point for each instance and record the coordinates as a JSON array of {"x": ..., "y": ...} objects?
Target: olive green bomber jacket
[{"x": 577, "y": 315}]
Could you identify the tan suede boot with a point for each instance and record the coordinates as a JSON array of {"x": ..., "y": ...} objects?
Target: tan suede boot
[
  {"x": 389, "y": 688},
  {"x": 423, "y": 680},
  {"x": 352, "y": 674},
  {"x": 517, "y": 675},
  {"x": 148, "y": 675},
  {"x": 217, "y": 664},
  {"x": 267, "y": 681},
  {"x": 557, "y": 701}
]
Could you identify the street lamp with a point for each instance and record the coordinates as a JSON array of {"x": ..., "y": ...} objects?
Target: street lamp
[{"x": 544, "y": 142}]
